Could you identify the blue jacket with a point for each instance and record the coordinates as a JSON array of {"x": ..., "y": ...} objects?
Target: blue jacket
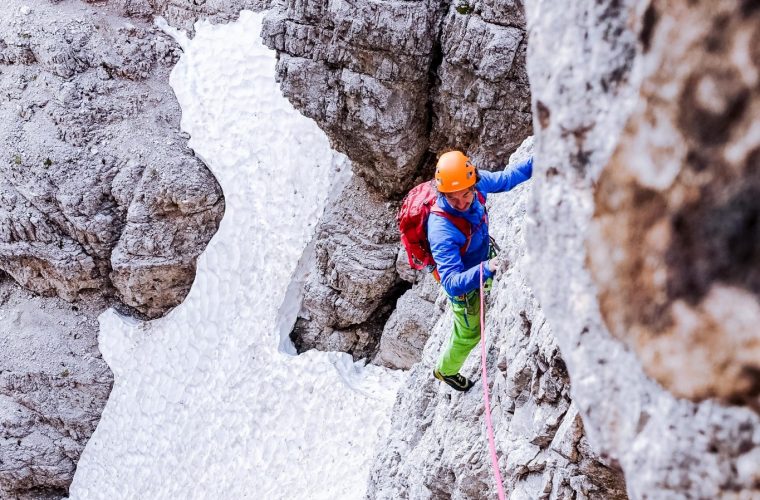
[{"x": 460, "y": 273}]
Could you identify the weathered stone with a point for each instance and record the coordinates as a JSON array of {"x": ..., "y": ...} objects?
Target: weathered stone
[
  {"x": 53, "y": 387},
  {"x": 99, "y": 190},
  {"x": 675, "y": 242},
  {"x": 384, "y": 79},
  {"x": 606, "y": 80},
  {"x": 352, "y": 290},
  {"x": 409, "y": 326},
  {"x": 482, "y": 100}
]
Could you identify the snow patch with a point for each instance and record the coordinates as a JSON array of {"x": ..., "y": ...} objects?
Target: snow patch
[{"x": 204, "y": 404}]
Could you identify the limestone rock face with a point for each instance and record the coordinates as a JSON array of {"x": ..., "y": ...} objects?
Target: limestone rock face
[
  {"x": 408, "y": 328},
  {"x": 394, "y": 83},
  {"x": 643, "y": 181},
  {"x": 53, "y": 386},
  {"x": 184, "y": 13},
  {"x": 437, "y": 446},
  {"x": 99, "y": 197},
  {"x": 675, "y": 239},
  {"x": 481, "y": 98},
  {"x": 352, "y": 290},
  {"x": 99, "y": 190}
]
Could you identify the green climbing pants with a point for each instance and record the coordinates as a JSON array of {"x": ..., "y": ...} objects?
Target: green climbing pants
[{"x": 465, "y": 335}]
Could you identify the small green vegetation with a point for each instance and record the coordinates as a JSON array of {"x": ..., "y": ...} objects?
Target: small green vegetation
[
  {"x": 48, "y": 162},
  {"x": 464, "y": 7},
  {"x": 17, "y": 159},
  {"x": 65, "y": 373}
]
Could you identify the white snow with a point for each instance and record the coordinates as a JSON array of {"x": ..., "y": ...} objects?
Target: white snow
[{"x": 204, "y": 403}]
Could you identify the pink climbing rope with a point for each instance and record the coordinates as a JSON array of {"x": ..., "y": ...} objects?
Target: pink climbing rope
[{"x": 489, "y": 424}]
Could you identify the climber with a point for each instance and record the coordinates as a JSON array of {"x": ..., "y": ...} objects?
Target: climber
[{"x": 462, "y": 191}]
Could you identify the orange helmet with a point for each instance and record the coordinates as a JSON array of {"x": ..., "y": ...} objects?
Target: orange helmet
[{"x": 454, "y": 172}]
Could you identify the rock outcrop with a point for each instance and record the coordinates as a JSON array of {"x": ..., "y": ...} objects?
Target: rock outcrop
[
  {"x": 409, "y": 326},
  {"x": 437, "y": 446},
  {"x": 394, "y": 83},
  {"x": 675, "y": 239},
  {"x": 99, "y": 190},
  {"x": 642, "y": 234},
  {"x": 100, "y": 198},
  {"x": 352, "y": 291},
  {"x": 481, "y": 94},
  {"x": 53, "y": 386}
]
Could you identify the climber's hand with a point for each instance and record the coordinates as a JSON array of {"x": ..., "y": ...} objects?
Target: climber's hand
[{"x": 498, "y": 265}]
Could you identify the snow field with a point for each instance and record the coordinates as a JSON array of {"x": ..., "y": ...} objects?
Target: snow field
[{"x": 204, "y": 403}]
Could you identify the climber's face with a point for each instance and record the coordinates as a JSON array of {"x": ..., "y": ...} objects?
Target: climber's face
[{"x": 461, "y": 200}]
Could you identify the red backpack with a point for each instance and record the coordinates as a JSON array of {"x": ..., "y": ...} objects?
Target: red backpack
[{"x": 412, "y": 218}]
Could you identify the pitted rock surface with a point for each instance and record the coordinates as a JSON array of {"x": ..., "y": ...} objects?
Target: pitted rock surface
[
  {"x": 675, "y": 241},
  {"x": 352, "y": 291},
  {"x": 438, "y": 448},
  {"x": 607, "y": 140},
  {"x": 395, "y": 83},
  {"x": 481, "y": 102},
  {"x": 409, "y": 326},
  {"x": 53, "y": 386},
  {"x": 99, "y": 196},
  {"x": 184, "y": 13},
  {"x": 99, "y": 190}
]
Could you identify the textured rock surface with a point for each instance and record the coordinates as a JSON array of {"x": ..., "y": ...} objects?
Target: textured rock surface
[
  {"x": 352, "y": 291},
  {"x": 99, "y": 195},
  {"x": 408, "y": 328},
  {"x": 675, "y": 246},
  {"x": 98, "y": 187},
  {"x": 392, "y": 81},
  {"x": 184, "y": 13},
  {"x": 437, "y": 447},
  {"x": 53, "y": 386},
  {"x": 481, "y": 98},
  {"x": 591, "y": 107}
]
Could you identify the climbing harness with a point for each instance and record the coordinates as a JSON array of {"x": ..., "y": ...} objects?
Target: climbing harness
[{"x": 489, "y": 424}]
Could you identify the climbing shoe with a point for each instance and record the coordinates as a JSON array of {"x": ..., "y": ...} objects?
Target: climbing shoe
[{"x": 457, "y": 381}]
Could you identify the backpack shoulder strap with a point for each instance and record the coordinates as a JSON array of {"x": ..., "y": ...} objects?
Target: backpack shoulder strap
[
  {"x": 482, "y": 200},
  {"x": 459, "y": 222}
]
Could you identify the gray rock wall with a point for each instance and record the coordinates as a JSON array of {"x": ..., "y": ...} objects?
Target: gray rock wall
[
  {"x": 53, "y": 386},
  {"x": 481, "y": 96},
  {"x": 409, "y": 326},
  {"x": 99, "y": 189},
  {"x": 607, "y": 81},
  {"x": 353, "y": 288},
  {"x": 395, "y": 83}
]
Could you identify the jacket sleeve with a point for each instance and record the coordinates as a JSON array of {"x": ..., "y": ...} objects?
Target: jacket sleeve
[
  {"x": 445, "y": 242},
  {"x": 498, "y": 182}
]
